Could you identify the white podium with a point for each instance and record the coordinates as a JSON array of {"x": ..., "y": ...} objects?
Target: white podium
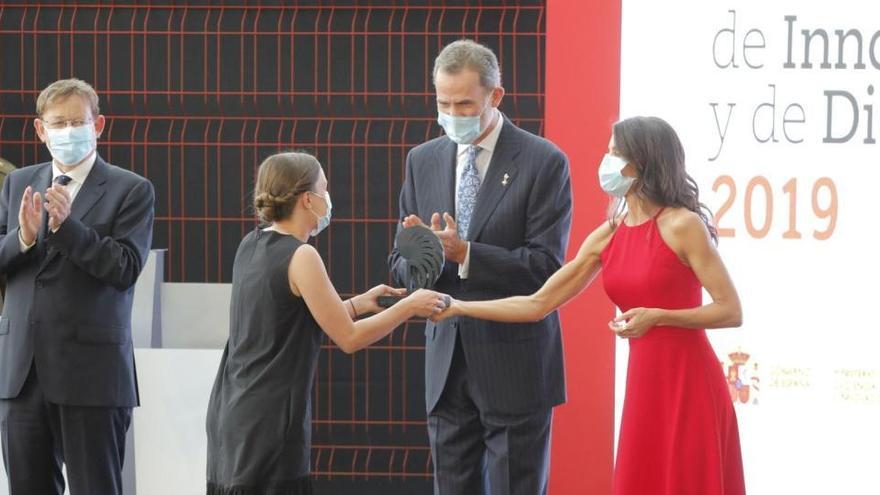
[{"x": 179, "y": 331}]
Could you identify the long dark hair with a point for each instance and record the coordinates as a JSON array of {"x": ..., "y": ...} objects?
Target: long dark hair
[{"x": 653, "y": 147}]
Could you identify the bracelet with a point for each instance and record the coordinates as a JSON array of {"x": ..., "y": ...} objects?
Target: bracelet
[{"x": 352, "y": 308}]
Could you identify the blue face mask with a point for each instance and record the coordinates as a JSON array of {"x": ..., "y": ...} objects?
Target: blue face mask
[
  {"x": 323, "y": 220},
  {"x": 611, "y": 177},
  {"x": 462, "y": 130},
  {"x": 71, "y": 145}
]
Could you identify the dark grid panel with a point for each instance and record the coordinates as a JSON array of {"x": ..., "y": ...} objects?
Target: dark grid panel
[{"x": 197, "y": 95}]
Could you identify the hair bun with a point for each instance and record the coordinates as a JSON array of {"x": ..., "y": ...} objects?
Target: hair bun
[
  {"x": 260, "y": 201},
  {"x": 271, "y": 207},
  {"x": 268, "y": 200}
]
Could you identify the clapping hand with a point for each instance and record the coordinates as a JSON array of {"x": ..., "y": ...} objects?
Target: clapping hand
[
  {"x": 58, "y": 206},
  {"x": 454, "y": 249},
  {"x": 30, "y": 215}
]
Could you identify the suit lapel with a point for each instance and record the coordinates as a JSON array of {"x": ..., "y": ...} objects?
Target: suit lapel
[
  {"x": 91, "y": 190},
  {"x": 444, "y": 177},
  {"x": 502, "y": 171}
]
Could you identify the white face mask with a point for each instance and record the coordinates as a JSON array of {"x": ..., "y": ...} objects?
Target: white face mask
[
  {"x": 70, "y": 145},
  {"x": 323, "y": 220},
  {"x": 611, "y": 177}
]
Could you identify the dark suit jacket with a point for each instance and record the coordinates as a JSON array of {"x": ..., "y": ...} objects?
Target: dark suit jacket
[
  {"x": 519, "y": 234},
  {"x": 68, "y": 299}
]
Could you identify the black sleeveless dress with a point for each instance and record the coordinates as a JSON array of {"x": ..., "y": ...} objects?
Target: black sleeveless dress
[{"x": 259, "y": 415}]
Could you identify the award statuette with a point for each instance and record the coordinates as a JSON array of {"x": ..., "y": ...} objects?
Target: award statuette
[{"x": 423, "y": 253}]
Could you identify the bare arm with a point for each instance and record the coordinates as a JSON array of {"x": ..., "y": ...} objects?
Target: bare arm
[
  {"x": 687, "y": 235},
  {"x": 308, "y": 277},
  {"x": 561, "y": 287}
]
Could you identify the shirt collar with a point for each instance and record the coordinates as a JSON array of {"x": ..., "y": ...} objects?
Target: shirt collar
[
  {"x": 79, "y": 173},
  {"x": 488, "y": 143}
]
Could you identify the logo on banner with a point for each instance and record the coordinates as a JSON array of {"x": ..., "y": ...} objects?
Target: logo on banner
[{"x": 743, "y": 380}]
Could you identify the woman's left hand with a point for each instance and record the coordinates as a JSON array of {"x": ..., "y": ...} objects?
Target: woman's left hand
[
  {"x": 635, "y": 322},
  {"x": 367, "y": 302}
]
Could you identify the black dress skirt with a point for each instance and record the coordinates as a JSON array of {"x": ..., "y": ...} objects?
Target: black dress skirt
[{"x": 259, "y": 415}]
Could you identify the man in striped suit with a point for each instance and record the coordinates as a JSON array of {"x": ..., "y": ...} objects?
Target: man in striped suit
[{"x": 499, "y": 198}]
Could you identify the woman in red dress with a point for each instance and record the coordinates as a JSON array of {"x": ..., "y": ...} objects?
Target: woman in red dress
[{"x": 656, "y": 252}]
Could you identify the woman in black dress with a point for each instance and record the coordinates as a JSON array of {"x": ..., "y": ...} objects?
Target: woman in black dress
[{"x": 259, "y": 423}]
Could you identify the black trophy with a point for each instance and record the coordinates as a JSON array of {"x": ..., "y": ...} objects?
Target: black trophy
[{"x": 423, "y": 253}]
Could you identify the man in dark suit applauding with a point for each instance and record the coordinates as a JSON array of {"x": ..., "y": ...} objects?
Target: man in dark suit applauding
[
  {"x": 74, "y": 235},
  {"x": 499, "y": 198}
]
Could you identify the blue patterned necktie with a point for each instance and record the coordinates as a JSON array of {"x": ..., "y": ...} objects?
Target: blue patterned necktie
[{"x": 468, "y": 187}]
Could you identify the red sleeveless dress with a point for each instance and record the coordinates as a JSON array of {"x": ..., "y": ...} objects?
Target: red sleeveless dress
[{"x": 678, "y": 433}]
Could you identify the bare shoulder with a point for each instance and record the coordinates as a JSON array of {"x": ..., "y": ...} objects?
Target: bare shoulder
[
  {"x": 305, "y": 268},
  {"x": 684, "y": 232},
  {"x": 601, "y": 235},
  {"x": 681, "y": 222},
  {"x": 305, "y": 255},
  {"x": 607, "y": 228}
]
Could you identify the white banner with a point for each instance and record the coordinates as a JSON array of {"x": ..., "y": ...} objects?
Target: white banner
[{"x": 778, "y": 106}]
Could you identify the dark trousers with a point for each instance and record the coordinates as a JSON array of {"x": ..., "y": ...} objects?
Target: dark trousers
[
  {"x": 478, "y": 453},
  {"x": 38, "y": 437}
]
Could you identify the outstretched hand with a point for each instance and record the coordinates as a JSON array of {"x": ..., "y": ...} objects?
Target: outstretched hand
[
  {"x": 452, "y": 309},
  {"x": 368, "y": 301},
  {"x": 426, "y": 303}
]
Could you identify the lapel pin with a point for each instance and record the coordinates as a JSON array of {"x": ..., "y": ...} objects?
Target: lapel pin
[{"x": 505, "y": 180}]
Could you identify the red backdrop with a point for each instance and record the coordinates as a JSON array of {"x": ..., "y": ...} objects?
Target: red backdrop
[{"x": 582, "y": 91}]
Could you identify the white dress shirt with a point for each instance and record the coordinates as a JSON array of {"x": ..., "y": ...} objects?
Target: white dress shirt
[
  {"x": 484, "y": 157},
  {"x": 77, "y": 177}
]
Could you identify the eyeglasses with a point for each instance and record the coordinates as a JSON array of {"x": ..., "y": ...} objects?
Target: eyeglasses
[{"x": 61, "y": 124}]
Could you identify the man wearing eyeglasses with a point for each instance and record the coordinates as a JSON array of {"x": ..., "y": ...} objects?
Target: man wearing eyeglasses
[{"x": 74, "y": 235}]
